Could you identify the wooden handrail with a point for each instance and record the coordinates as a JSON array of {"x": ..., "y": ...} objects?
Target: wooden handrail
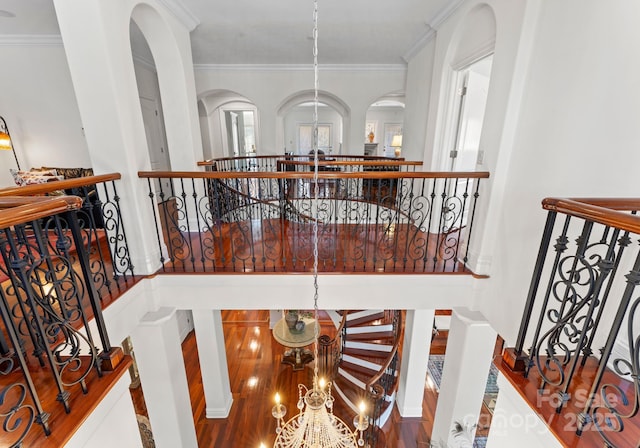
[
  {"x": 35, "y": 189},
  {"x": 608, "y": 212},
  {"x": 310, "y": 175},
  {"x": 374, "y": 379},
  {"x": 339, "y": 330},
  {"x": 19, "y": 210}
]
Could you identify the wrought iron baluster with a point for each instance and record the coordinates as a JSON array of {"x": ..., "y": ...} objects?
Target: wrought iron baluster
[
  {"x": 23, "y": 272},
  {"x": 623, "y": 242},
  {"x": 155, "y": 221},
  {"x": 90, "y": 289},
  {"x": 613, "y": 419},
  {"x": 560, "y": 247},
  {"x": 604, "y": 266},
  {"x": 7, "y": 361},
  {"x": 476, "y": 194},
  {"x": 116, "y": 234}
]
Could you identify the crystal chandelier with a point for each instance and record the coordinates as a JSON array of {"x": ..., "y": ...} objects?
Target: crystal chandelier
[{"x": 316, "y": 426}]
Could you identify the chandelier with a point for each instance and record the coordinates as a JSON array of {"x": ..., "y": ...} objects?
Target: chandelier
[{"x": 315, "y": 426}]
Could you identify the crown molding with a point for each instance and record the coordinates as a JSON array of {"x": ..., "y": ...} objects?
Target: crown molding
[
  {"x": 31, "y": 39},
  {"x": 182, "y": 13},
  {"x": 419, "y": 44},
  {"x": 302, "y": 67},
  {"x": 444, "y": 14},
  {"x": 432, "y": 27}
]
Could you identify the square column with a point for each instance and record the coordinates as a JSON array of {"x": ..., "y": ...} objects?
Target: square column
[
  {"x": 418, "y": 329},
  {"x": 464, "y": 376},
  {"x": 156, "y": 341},
  {"x": 213, "y": 363}
]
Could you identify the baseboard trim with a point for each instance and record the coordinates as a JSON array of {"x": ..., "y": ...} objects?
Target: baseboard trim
[{"x": 222, "y": 412}]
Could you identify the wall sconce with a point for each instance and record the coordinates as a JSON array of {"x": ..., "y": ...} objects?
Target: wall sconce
[
  {"x": 5, "y": 140},
  {"x": 396, "y": 143}
]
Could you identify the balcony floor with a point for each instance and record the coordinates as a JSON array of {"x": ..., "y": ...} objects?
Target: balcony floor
[
  {"x": 281, "y": 246},
  {"x": 564, "y": 424}
]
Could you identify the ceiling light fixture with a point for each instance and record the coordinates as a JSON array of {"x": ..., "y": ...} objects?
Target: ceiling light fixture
[{"x": 316, "y": 426}]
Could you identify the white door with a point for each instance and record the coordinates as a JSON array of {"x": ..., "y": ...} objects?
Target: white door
[
  {"x": 473, "y": 100},
  {"x": 156, "y": 142},
  {"x": 466, "y": 153}
]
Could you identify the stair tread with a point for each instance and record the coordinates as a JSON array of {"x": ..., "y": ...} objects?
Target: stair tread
[
  {"x": 356, "y": 371},
  {"x": 375, "y": 354}
]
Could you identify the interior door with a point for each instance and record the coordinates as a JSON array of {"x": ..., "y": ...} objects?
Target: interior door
[
  {"x": 156, "y": 142},
  {"x": 473, "y": 101},
  {"x": 466, "y": 153}
]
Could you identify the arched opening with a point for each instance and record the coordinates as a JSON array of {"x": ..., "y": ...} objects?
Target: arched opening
[
  {"x": 383, "y": 126},
  {"x": 470, "y": 63},
  {"x": 180, "y": 115},
  {"x": 229, "y": 123},
  {"x": 295, "y": 118},
  {"x": 150, "y": 101}
]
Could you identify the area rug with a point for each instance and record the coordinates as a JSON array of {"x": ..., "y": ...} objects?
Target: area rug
[
  {"x": 434, "y": 368},
  {"x": 436, "y": 364},
  {"x": 145, "y": 431}
]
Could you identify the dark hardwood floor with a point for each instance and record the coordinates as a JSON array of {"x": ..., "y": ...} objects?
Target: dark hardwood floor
[{"x": 256, "y": 373}]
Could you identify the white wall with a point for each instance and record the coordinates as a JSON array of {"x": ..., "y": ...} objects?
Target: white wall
[
  {"x": 356, "y": 87},
  {"x": 577, "y": 134},
  {"x": 114, "y": 411},
  {"x": 39, "y": 105},
  {"x": 417, "y": 97},
  {"x": 514, "y": 423}
]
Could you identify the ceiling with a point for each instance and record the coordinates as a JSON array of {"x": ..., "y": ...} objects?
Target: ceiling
[{"x": 261, "y": 32}]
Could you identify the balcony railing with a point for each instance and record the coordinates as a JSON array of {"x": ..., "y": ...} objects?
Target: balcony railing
[
  {"x": 53, "y": 339},
  {"x": 345, "y": 163},
  {"x": 101, "y": 224},
  {"x": 579, "y": 335},
  {"x": 371, "y": 221}
]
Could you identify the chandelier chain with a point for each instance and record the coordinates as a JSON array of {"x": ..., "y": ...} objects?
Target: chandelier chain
[{"x": 316, "y": 192}]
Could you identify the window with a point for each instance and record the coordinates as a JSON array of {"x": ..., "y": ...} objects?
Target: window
[{"x": 305, "y": 138}]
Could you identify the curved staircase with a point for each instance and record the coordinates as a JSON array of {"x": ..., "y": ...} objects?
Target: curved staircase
[{"x": 365, "y": 364}]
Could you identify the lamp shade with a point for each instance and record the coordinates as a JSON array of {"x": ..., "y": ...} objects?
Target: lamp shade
[
  {"x": 5, "y": 142},
  {"x": 396, "y": 141}
]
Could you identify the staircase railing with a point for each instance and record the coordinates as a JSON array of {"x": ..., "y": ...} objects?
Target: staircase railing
[
  {"x": 383, "y": 221},
  {"x": 47, "y": 300},
  {"x": 580, "y": 311},
  {"x": 101, "y": 224},
  {"x": 330, "y": 350},
  {"x": 384, "y": 383}
]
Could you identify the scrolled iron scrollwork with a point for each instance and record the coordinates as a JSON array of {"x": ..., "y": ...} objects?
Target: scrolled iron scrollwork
[
  {"x": 17, "y": 416},
  {"x": 573, "y": 291},
  {"x": 618, "y": 403}
]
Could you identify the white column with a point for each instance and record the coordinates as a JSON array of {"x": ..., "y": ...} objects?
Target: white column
[
  {"x": 415, "y": 356},
  {"x": 164, "y": 380},
  {"x": 466, "y": 367},
  {"x": 96, "y": 41},
  {"x": 213, "y": 362}
]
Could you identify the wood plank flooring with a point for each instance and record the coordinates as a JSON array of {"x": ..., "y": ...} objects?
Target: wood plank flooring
[
  {"x": 256, "y": 373},
  {"x": 276, "y": 245}
]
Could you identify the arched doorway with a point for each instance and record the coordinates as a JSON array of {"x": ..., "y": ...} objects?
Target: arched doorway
[
  {"x": 383, "y": 126},
  {"x": 295, "y": 123},
  {"x": 150, "y": 102},
  {"x": 470, "y": 64},
  {"x": 229, "y": 123}
]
